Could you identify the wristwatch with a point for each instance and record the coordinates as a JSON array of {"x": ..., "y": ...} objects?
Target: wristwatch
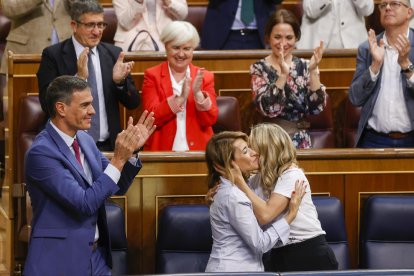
[{"x": 409, "y": 69}]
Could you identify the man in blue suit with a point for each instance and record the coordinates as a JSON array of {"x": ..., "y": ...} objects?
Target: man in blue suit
[
  {"x": 69, "y": 179},
  {"x": 383, "y": 83},
  {"x": 225, "y": 28},
  {"x": 114, "y": 84}
]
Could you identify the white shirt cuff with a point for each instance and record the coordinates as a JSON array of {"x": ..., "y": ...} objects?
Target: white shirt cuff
[
  {"x": 282, "y": 229},
  {"x": 374, "y": 77},
  {"x": 113, "y": 173}
]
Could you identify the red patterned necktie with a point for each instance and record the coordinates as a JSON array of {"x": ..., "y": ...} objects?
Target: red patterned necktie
[{"x": 75, "y": 146}]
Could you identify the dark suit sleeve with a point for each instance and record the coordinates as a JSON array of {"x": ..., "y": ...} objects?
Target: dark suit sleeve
[
  {"x": 275, "y": 2},
  {"x": 127, "y": 175},
  {"x": 45, "y": 75},
  {"x": 362, "y": 85},
  {"x": 127, "y": 93}
]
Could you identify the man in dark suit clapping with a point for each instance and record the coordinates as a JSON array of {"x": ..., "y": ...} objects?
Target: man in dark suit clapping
[{"x": 85, "y": 56}]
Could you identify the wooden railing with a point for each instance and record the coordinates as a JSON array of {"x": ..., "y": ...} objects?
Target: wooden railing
[
  {"x": 230, "y": 68},
  {"x": 171, "y": 178}
]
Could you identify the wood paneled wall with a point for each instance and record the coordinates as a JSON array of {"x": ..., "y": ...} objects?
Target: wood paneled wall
[
  {"x": 351, "y": 175},
  {"x": 231, "y": 71},
  {"x": 172, "y": 178}
]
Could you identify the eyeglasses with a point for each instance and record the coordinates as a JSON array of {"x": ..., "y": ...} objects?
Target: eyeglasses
[
  {"x": 393, "y": 5},
  {"x": 91, "y": 25}
]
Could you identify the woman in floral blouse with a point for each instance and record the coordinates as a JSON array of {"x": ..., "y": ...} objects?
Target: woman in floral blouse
[{"x": 287, "y": 88}]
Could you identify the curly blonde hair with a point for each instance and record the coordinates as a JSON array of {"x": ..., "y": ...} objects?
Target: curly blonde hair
[{"x": 276, "y": 150}]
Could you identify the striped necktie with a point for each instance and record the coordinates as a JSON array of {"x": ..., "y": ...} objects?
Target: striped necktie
[{"x": 94, "y": 131}]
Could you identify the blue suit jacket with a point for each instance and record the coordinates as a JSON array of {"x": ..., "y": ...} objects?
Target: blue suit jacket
[
  {"x": 66, "y": 208},
  {"x": 220, "y": 16},
  {"x": 364, "y": 92},
  {"x": 60, "y": 59}
]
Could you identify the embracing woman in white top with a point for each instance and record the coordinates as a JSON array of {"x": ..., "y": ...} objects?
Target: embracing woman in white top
[{"x": 270, "y": 191}]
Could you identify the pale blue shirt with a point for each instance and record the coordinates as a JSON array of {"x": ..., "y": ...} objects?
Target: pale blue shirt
[{"x": 238, "y": 240}]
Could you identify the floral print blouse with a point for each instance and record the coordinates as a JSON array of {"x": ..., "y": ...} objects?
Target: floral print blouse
[{"x": 292, "y": 103}]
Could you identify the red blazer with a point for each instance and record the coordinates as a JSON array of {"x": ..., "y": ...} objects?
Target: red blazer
[{"x": 156, "y": 89}]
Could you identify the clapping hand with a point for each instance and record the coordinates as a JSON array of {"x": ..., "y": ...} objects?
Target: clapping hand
[
  {"x": 403, "y": 47},
  {"x": 316, "y": 57},
  {"x": 132, "y": 138},
  {"x": 284, "y": 67},
  {"x": 198, "y": 81},
  {"x": 82, "y": 64},
  {"x": 121, "y": 69},
  {"x": 377, "y": 51},
  {"x": 145, "y": 127},
  {"x": 184, "y": 92}
]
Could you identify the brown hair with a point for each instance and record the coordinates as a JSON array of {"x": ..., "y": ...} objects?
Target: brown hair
[
  {"x": 279, "y": 17},
  {"x": 220, "y": 152}
]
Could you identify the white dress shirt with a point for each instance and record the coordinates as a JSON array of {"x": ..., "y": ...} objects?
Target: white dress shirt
[
  {"x": 180, "y": 139},
  {"x": 390, "y": 111},
  {"x": 103, "y": 118}
]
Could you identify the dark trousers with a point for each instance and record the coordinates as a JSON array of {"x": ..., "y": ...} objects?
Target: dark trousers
[
  {"x": 312, "y": 254},
  {"x": 372, "y": 139},
  {"x": 239, "y": 40}
]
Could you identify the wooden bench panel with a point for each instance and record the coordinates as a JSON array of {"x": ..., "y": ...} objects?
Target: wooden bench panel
[
  {"x": 168, "y": 178},
  {"x": 231, "y": 70}
]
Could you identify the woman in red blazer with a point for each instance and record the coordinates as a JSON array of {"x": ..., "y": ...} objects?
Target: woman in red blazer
[{"x": 180, "y": 94}]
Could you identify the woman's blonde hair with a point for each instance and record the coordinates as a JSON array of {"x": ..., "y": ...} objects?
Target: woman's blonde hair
[
  {"x": 219, "y": 153},
  {"x": 179, "y": 33},
  {"x": 276, "y": 153}
]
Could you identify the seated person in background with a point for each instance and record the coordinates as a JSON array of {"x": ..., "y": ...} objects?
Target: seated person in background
[
  {"x": 287, "y": 88},
  {"x": 180, "y": 94},
  {"x": 140, "y": 22},
  {"x": 69, "y": 179},
  {"x": 269, "y": 192},
  {"x": 238, "y": 240},
  {"x": 51, "y": 21},
  {"x": 85, "y": 56},
  {"x": 51, "y": 17},
  {"x": 338, "y": 23},
  {"x": 236, "y": 24},
  {"x": 383, "y": 82}
]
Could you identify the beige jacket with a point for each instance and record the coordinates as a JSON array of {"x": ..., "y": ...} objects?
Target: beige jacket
[
  {"x": 319, "y": 17},
  {"x": 133, "y": 17},
  {"x": 31, "y": 25}
]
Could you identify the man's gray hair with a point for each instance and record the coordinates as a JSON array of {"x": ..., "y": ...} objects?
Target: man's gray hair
[{"x": 80, "y": 7}]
